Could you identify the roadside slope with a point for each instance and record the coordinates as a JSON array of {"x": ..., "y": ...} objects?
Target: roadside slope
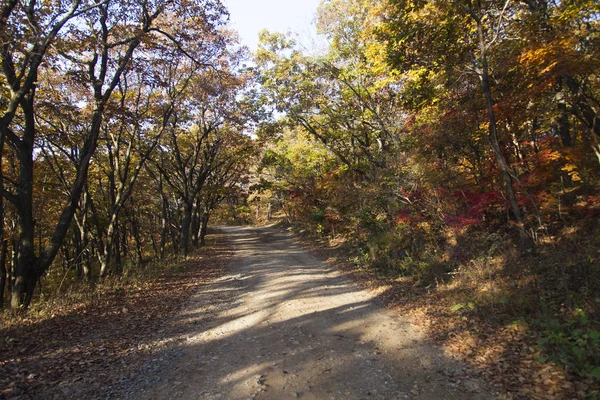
[{"x": 90, "y": 344}]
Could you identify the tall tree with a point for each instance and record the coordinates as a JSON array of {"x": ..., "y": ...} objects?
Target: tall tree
[
  {"x": 91, "y": 43},
  {"x": 446, "y": 37},
  {"x": 197, "y": 135}
]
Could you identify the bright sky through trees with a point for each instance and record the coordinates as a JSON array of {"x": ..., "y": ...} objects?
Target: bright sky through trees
[{"x": 249, "y": 17}]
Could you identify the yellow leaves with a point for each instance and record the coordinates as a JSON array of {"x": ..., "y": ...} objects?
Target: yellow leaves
[
  {"x": 425, "y": 226},
  {"x": 376, "y": 55},
  {"x": 569, "y": 13},
  {"x": 428, "y": 12},
  {"x": 538, "y": 56},
  {"x": 569, "y": 168},
  {"x": 375, "y": 8},
  {"x": 572, "y": 170},
  {"x": 549, "y": 68},
  {"x": 418, "y": 73},
  {"x": 577, "y": 10},
  {"x": 565, "y": 158}
]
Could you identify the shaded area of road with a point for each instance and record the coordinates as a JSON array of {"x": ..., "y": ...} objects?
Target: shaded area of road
[{"x": 281, "y": 324}]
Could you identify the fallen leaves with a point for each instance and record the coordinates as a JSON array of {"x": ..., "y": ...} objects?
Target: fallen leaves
[
  {"x": 505, "y": 354},
  {"x": 90, "y": 345}
]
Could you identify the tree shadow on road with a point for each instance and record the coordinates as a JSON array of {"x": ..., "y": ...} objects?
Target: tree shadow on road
[{"x": 281, "y": 324}]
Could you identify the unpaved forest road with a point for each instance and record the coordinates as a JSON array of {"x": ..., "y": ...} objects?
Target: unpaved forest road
[{"x": 283, "y": 325}]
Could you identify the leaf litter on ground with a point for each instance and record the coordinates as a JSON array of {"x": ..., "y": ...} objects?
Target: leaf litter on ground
[
  {"x": 79, "y": 349},
  {"x": 505, "y": 353}
]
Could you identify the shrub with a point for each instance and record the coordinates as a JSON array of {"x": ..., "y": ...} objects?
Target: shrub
[{"x": 574, "y": 344}]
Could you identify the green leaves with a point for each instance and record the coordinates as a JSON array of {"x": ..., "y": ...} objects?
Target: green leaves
[
  {"x": 460, "y": 306},
  {"x": 574, "y": 343}
]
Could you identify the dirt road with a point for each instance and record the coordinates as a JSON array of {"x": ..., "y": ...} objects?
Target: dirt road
[{"x": 283, "y": 325}]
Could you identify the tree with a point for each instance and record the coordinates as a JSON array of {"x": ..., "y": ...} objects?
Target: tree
[
  {"x": 225, "y": 181},
  {"x": 28, "y": 34},
  {"x": 93, "y": 44},
  {"x": 196, "y": 136},
  {"x": 146, "y": 114},
  {"x": 451, "y": 36},
  {"x": 340, "y": 99}
]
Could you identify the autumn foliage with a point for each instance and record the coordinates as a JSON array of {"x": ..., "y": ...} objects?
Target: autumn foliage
[
  {"x": 451, "y": 148},
  {"x": 458, "y": 147},
  {"x": 122, "y": 129}
]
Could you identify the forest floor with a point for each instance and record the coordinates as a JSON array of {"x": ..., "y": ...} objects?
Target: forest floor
[
  {"x": 260, "y": 315},
  {"x": 86, "y": 347},
  {"x": 504, "y": 350}
]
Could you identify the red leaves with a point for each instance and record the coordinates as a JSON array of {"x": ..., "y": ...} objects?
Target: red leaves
[
  {"x": 403, "y": 217},
  {"x": 476, "y": 206}
]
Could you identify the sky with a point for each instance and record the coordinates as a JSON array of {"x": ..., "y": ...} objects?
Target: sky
[{"x": 249, "y": 17}]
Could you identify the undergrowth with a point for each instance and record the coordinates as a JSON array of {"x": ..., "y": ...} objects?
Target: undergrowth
[
  {"x": 478, "y": 279},
  {"x": 63, "y": 292}
]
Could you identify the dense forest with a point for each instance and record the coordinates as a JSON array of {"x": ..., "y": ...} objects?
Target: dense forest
[{"x": 452, "y": 144}]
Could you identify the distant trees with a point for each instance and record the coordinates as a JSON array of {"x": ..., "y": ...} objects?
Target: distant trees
[
  {"x": 92, "y": 91},
  {"x": 203, "y": 130}
]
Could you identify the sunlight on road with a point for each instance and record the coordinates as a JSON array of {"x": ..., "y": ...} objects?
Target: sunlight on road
[{"x": 281, "y": 324}]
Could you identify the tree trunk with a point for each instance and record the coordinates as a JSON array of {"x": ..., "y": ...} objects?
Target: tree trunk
[
  {"x": 24, "y": 270},
  {"x": 163, "y": 226},
  {"x": 155, "y": 247},
  {"x": 83, "y": 227},
  {"x": 13, "y": 262},
  {"x": 117, "y": 249},
  {"x": 106, "y": 256},
  {"x": 534, "y": 125},
  {"x": 564, "y": 129},
  {"x": 204, "y": 228},
  {"x": 3, "y": 272},
  {"x": 185, "y": 228},
  {"x": 582, "y": 109},
  {"x": 4, "y": 249},
  {"x": 85, "y": 256},
  {"x": 135, "y": 231},
  {"x": 77, "y": 260},
  {"x": 507, "y": 178},
  {"x": 196, "y": 222}
]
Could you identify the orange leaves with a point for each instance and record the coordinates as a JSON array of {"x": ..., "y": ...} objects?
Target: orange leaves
[
  {"x": 549, "y": 155},
  {"x": 545, "y": 56},
  {"x": 550, "y": 162},
  {"x": 547, "y": 60}
]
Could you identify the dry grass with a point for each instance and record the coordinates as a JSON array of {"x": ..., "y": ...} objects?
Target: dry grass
[{"x": 482, "y": 316}]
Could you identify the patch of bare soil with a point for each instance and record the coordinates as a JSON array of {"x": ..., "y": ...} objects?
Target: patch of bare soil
[{"x": 85, "y": 349}]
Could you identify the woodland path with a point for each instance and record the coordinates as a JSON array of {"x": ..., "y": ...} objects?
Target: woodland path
[{"x": 280, "y": 324}]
